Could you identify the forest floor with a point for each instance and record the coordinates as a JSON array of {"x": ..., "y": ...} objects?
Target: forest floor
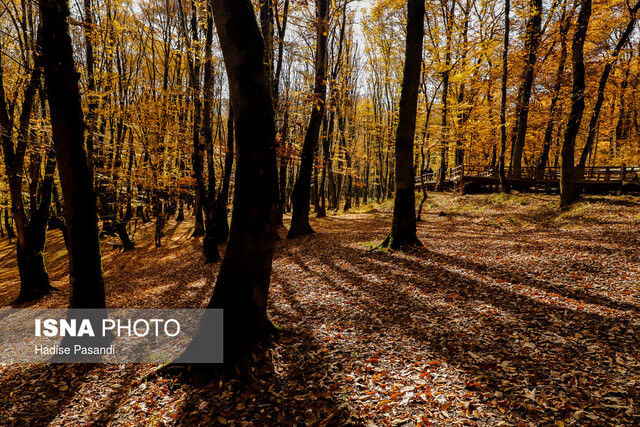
[{"x": 513, "y": 313}]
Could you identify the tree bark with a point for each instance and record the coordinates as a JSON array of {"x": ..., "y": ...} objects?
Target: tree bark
[
  {"x": 61, "y": 79},
  {"x": 504, "y": 186},
  {"x": 403, "y": 227},
  {"x": 242, "y": 286},
  {"x": 568, "y": 193}
]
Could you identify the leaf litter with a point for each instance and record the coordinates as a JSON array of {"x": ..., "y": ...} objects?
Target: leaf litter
[{"x": 513, "y": 313}]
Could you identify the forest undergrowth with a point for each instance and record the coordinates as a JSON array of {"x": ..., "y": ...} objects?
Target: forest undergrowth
[{"x": 513, "y": 313}]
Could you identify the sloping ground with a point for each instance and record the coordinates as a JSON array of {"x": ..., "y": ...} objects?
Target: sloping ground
[{"x": 511, "y": 314}]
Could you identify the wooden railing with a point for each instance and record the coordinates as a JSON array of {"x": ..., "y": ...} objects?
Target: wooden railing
[{"x": 591, "y": 173}]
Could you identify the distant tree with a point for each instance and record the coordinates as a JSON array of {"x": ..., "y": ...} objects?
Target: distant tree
[
  {"x": 61, "y": 80},
  {"x": 449, "y": 19},
  {"x": 532, "y": 37},
  {"x": 302, "y": 190},
  {"x": 221, "y": 226},
  {"x": 606, "y": 72},
  {"x": 565, "y": 23},
  {"x": 403, "y": 228},
  {"x": 504, "y": 186}
]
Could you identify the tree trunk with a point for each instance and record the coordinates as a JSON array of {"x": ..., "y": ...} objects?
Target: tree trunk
[
  {"x": 444, "y": 143},
  {"x": 31, "y": 234},
  {"x": 61, "y": 79},
  {"x": 7, "y": 224},
  {"x": 34, "y": 279},
  {"x": 568, "y": 193},
  {"x": 209, "y": 243},
  {"x": 92, "y": 105},
  {"x": 548, "y": 133},
  {"x": 504, "y": 186},
  {"x": 593, "y": 122},
  {"x": 284, "y": 157},
  {"x": 302, "y": 189},
  {"x": 322, "y": 207},
  {"x": 242, "y": 286},
  {"x": 532, "y": 41},
  {"x": 403, "y": 227},
  {"x": 221, "y": 232},
  {"x": 198, "y": 147}
]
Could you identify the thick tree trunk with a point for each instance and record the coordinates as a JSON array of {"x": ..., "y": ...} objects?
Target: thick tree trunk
[
  {"x": 242, "y": 287},
  {"x": 403, "y": 227},
  {"x": 31, "y": 233},
  {"x": 34, "y": 279},
  {"x": 568, "y": 193},
  {"x": 302, "y": 189},
  {"x": 61, "y": 79}
]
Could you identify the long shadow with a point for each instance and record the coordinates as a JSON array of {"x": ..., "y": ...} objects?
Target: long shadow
[
  {"x": 395, "y": 309},
  {"x": 35, "y": 395},
  {"x": 521, "y": 277},
  {"x": 302, "y": 395},
  {"x": 612, "y": 201},
  {"x": 121, "y": 388}
]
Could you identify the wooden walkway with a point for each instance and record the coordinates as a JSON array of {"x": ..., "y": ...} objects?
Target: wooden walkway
[{"x": 479, "y": 179}]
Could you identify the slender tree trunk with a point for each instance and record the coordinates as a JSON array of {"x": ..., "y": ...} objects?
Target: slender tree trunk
[
  {"x": 606, "y": 72},
  {"x": 403, "y": 227},
  {"x": 504, "y": 186},
  {"x": 198, "y": 146},
  {"x": 91, "y": 85},
  {"x": 302, "y": 189},
  {"x": 532, "y": 41},
  {"x": 7, "y": 224},
  {"x": 284, "y": 158},
  {"x": 209, "y": 243},
  {"x": 61, "y": 79},
  {"x": 221, "y": 232},
  {"x": 568, "y": 193},
  {"x": 322, "y": 208},
  {"x": 444, "y": 143},
  {"x": 548, "y": 133}
]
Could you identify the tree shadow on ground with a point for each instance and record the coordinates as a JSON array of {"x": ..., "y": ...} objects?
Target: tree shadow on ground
[
  {"x": 35, "y": 394},
  {"x": 507, "y": 331}
]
